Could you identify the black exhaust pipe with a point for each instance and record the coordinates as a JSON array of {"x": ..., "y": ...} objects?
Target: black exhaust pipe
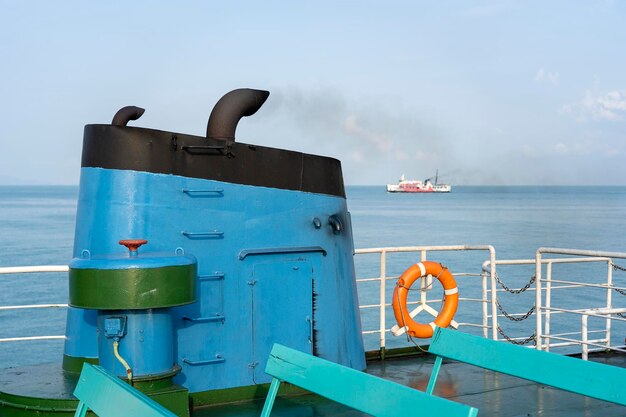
[
  {"x": 230, "y": 109},
  {"x": 126, "y": 114}
]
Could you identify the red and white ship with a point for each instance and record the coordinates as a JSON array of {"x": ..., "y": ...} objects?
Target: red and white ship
[{"x": 417, "y": 186}]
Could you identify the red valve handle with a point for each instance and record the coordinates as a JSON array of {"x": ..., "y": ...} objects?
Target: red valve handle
[{"x": 133, "y": 244}]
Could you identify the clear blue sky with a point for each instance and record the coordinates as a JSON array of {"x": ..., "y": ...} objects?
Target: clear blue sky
[{"x": 487, "y": 92}]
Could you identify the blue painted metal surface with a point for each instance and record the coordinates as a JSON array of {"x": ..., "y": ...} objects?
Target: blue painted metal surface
[
  {"x": 107, "y": 396},
  {"x": 81, "y": 333},
  {"x": 122, "y": 259},
  {"x": 289, "y": 285},
  {"x": 116, "y": 204},
  {"x": 148, "y": 344},
  {"x": 592, "y": 379},
  {"x": 369, "y": 394}
]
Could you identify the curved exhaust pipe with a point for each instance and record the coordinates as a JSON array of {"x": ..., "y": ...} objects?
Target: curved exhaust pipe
[
  {"x": 230, "y": 109},
  {"x": 126, "y": 114}
]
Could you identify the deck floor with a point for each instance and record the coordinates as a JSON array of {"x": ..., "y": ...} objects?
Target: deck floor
[{"x": 495, "y": 395}]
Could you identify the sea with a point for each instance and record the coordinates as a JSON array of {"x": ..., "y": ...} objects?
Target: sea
[{"x": 37, "y": 228}]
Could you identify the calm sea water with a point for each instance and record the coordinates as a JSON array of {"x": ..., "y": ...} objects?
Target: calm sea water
[{"x": 37, "y": 228}]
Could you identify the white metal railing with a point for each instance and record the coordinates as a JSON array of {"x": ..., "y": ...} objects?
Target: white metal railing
[
  {"x": 544, "y": 286},
  {"x": 383, "y": 278},
  {"x": 29, "y": 270},
  {"x": 598, "y": 312},
  {"x": 544, "y": 310},
  {"x": 544, "y": 313}
]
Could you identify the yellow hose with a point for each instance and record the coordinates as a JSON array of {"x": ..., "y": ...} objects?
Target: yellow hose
[{"x": 116, "y": 351}]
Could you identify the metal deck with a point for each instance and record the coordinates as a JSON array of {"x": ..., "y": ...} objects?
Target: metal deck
[{"x": 495, "y": 395}]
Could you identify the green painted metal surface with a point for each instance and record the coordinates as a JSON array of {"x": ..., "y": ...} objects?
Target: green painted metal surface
[
  {"x": 592, "y": 379},
  {"x": 46, "y": 391},
  {"x": 358, "y": 390},
  {"x": 75, "y": 365},
  {"x": 39, "y": 390},
  {"x": 239, "y": 394},
  {"x": 135, "y": 288},
  {"x": 107, "y": 396}
]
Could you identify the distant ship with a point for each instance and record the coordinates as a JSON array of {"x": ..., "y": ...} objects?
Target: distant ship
[{"x": 417, "y": 186}]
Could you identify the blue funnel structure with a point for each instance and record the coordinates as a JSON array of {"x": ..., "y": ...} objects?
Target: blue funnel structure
[{"x": 269, "y": 229}]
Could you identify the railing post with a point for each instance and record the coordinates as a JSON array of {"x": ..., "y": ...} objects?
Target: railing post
[
  {"x": 609, "y": 301},
  {"x": 383, "y": 297},
  {"x": 548, "y": 303},
  {"x": 585, "y": 347},
  {"x": 484, "y": 305},
  {"x": 538, "y": 299},
  {"x": 426, "y": 282},
  {"x": 494, "y": 295}
]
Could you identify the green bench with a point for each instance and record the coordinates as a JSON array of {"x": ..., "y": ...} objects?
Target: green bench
[
  {"x": 358, "y": 390},
  {"x": 592, "y": 379},
  {"x": 108, "y": 396}
]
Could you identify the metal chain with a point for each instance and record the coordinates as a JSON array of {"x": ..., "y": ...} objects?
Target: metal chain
[
  {"x": 622, "y": 315},
  {"x": 619, "y": 290},
  {"x": 510, "y": 317},
  {"x": 617, "y": 267},
  {"x": 531, "y": 338},
  {"x": 519, "y": 291}
]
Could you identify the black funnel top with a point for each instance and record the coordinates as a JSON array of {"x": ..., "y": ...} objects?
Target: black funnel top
[{"x": 230, "y": 109}]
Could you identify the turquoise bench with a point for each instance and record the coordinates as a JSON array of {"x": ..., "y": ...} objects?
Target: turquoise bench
[
  {"x": 592, "y": 379},
  {"x": 358, "y": 390},
  {"x": 108, "y": 396}
]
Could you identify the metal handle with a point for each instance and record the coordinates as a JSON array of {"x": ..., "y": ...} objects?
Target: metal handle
[
  {"x": 200, "y": 235},
  {"x": 218, "y": 359},
  {"x": 217, "y": 276},
  {"x": 310, "y": 324},
  {"x": 274, "y": 251},
  {"x": 207, "y": 191},
  {"x": 210, "y": 319},
  {"x": 223, "y": 150}
]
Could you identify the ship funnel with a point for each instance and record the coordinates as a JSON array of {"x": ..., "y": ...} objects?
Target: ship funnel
[
  {"x": 126, "y": 114},
  {"x": 230, "y": 109}
]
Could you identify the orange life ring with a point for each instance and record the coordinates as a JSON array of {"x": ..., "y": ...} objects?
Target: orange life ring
[{"x": 450, "y": 302}]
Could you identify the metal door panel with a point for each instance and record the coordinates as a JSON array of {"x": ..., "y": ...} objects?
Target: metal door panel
[{"x": 282, "y": 311}]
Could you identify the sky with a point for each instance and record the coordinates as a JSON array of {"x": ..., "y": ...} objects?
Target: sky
[{"x": 487, "y": 93}]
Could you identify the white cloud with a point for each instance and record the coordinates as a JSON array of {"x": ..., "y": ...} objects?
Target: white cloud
[
  {"x": 562, "y": 148},
  {"x": 610, "y": 106},
  {"x": 547, "y": 76},
  {"x": 574, "y": 148}
]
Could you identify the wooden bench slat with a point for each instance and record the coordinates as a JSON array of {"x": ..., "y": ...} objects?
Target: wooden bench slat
[
  {"x": 592, "y": 379},
  {"x": 107, "y": 396},
  {"x": 358, "y": 390}
]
